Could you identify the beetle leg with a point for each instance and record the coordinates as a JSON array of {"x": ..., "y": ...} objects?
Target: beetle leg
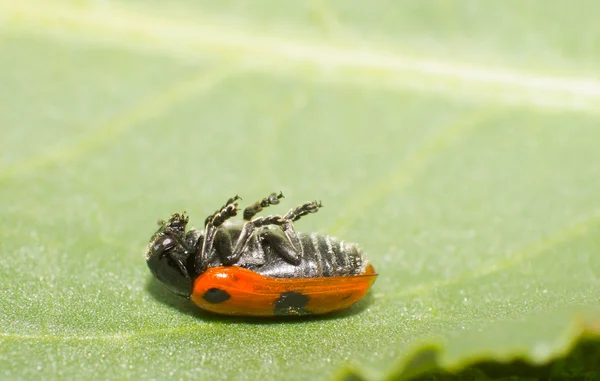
[
  {"x": 272, "y": 199},
  {"x": 227, "y": 211},
  {"x": 294, "y": 250},
  {"x": 224, "y": 247},
  {"x": 212, "y": 224},
  {"x": 292, "y": 236},
  {"x": 241, "y": 243},
  {"x": 282, "y": 245},
  {"x": 303, "y": 210},
  {"x": 175, "y": 229}
]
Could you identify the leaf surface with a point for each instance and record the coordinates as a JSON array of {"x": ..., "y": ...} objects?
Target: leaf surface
[{"x": 457, "y": 142}]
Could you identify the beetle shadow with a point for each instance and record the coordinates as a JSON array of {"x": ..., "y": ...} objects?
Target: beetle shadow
[{"x": 160, "y": 293}]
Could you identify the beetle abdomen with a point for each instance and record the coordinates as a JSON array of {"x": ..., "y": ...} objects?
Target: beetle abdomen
[
  {"x": 322, "y": 256},
  {"x": 328, "y": 256}
]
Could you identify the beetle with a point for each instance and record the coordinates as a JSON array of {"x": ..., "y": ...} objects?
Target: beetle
[{"x": 259, "y": 266}]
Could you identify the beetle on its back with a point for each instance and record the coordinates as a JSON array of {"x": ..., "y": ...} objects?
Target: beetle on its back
[{"x": 259, "y": 267}]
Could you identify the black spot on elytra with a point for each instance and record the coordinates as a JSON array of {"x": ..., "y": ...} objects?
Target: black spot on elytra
[
  {"x": 216, "y": 295},
  {"x": 346, "y": 297},
  {"x": 291, "y": 303}
]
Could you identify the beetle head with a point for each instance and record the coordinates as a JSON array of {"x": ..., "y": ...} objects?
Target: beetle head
[{"x": 167, "y": 255}]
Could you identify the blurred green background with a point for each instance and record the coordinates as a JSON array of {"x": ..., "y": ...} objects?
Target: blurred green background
[{"x": 456, "y": 141}]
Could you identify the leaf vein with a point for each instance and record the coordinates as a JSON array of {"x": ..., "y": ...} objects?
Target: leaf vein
[
  {"x": 406, "y": 171},
  {"x": 153, "y": 107},
  {"x": 533, "y": 250},
  {"x": 284, "y": 52}
]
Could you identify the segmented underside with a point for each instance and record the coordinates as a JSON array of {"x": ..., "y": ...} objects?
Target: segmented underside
[{"x": 322, "y": 256}]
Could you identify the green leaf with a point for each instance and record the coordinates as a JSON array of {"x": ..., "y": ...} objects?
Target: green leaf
[{"x": 456, "y": 141}]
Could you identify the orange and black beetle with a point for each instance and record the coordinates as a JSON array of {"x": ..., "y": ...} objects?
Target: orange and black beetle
[{"x": 260, "y": 266}]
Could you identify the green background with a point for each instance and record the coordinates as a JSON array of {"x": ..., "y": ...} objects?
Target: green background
[{"x": 456, "y": 141}]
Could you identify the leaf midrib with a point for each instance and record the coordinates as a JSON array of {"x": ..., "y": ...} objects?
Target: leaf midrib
[{"x": 290, "y": 52}]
